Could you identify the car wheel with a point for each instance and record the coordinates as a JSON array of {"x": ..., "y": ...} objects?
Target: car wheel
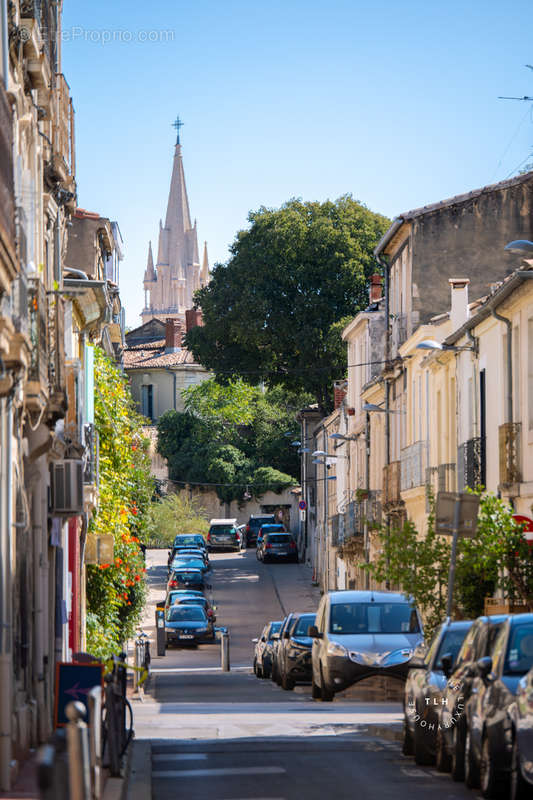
[
  {"x": 287, "y": 683},
  {"x": 519, "y": 789},
  {"x": 266, "y": 672},
  {"x": 315, "y": 691},
  {"x": 422, "y": 753},
  {"x": 407, "y": 740},
  {"x": 458, "y": 753},
  {"x": 442, "y": 758},
  {"x": 326, "y": 695},
  {"x": 259, "y": 672},
  {"x": 471, "y": 767},
  {"x": 491, "y": 781}
]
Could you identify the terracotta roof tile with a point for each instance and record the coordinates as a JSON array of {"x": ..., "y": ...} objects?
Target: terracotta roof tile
[{"x": 147, "y": 357}]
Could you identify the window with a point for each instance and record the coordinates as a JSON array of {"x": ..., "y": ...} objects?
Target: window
[
  {"x": 353, "y": 618},
  {"x": 147, "y": 401}
]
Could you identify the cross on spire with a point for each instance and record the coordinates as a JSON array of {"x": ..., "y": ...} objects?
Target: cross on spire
[{"x": 178, "y": 124}]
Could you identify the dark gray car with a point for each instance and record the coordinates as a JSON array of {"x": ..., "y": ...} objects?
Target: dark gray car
[
  {"x": 359, "y": 634},
  {"x": 521, "y": 713}
]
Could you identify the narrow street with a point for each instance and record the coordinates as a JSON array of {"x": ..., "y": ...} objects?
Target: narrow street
[{"x": 221, "y": 735}]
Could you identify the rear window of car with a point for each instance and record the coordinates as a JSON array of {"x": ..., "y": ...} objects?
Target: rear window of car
[
  {"x": 353, "y": 618},
  {"x": 183, "y": 540},
  {"x": 279, "y": 538},
  {"x": 256, "y": 522},
  {"x": 186, "y": 614},
  {"x": 193, "y": 577},
  {"x": 190, "y": 601},
  {"x": 302, "y": 626},
  {"x": 222, "y": 529},
  {"x": 519, "y": 658}
]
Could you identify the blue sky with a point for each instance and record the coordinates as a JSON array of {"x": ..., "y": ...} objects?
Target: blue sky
[{"x": 395, "y": 103}]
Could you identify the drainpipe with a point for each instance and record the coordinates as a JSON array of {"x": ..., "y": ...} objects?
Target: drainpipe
[
  {"x": 6, "y": 521},
  {"x": 509, "y": 390},
  {"x": 173, "y": 373},
  {"x": 386, "y": 285}
]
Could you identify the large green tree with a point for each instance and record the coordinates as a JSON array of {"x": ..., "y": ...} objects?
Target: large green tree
[{"x": 294, "y": 273}]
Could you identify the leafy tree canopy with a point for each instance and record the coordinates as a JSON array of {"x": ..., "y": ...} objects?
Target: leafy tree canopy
[
  {"x": 269, "y": 311},
  {"x": 233, "y": 436}
]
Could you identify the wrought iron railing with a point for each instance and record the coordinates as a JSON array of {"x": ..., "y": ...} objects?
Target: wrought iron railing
[
  {"x": 439, "y": 479},
  {"x": 413, "y": 459},
  {"x": 509, "y": 435},
  {"x": 63, "y": 130},
  {"x": 7, "y": 205},
  {"x": 90, "y": 459},
  {"x": 57, "y": 344},
  {"x": 38, "y": 313},
  {"x": 471, "y": 464}
]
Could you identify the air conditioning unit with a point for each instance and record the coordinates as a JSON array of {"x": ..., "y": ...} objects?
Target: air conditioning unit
[{"x": 66, "y": 487}]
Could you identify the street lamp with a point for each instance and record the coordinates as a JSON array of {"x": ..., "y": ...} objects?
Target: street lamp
[
  {"x": 520, "y": 247},
  {"x": 431, "y": 344},
  {"x": 344, "y": 438}
]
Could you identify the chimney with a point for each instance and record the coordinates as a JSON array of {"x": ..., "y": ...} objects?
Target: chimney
[
  {"x": 459, "y": 312},
  {"x": 339, "y": 392},
  {"x": 375, "y": 291},
  {"x": 172, "y": 335},
  {"x": 193, "y": 317}
]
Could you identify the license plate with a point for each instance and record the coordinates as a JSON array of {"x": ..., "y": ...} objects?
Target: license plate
[{"x": 185, "y": 636}]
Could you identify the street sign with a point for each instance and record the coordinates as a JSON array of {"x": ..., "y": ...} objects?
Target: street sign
[
  {"x": 444, "y": 513},
  {"x": 302, "y": 505},
  {"x": 527, "y": 526},
  {"x": 74, "y": 682},
  {"x": 302, "y": 514}
]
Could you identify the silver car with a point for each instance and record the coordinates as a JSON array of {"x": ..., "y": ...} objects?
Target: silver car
[{"x": 359, "y": 634}]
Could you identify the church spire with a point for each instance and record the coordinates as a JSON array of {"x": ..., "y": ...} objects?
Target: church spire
[{"x": 149, "y": 274}]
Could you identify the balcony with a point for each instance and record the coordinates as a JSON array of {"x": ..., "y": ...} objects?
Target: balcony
[
  {"x": 471, "y": 464},
  {"x": 509, "y": 435},
  {"x": 56, "y": 364},
  {"x": 8, "y": 264},
  {"x": 337, "y": 529},
  {"x": 413, "y": 460},
  {"x": 392, "y": 484},
  {"x": 90, "y": 458},
  {"x": 37, "y": 383},
  {"x": 353, "y": 521},
  {"x": 63, "y": 154}
]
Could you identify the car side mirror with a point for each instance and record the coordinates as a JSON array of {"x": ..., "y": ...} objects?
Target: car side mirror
[
  {"x": 254, "y": 641},
  {"x": 446, "y": 663},
  {"x": 314, "y": 633},
  {"x": 484, "y": 668}
]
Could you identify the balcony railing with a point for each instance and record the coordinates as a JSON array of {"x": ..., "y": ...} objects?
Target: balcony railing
[
  {"x": 57, "y": 346},
  {"x": 63, "y": 132},
  {"x": 90, "y": 458},
  {"x": 337, "y": 529},
  {"x": 392, "y": 484},
  {"x": 471, "y": 464},
  {"x": 413, "y": 459},
  {"x": 353, "y": 520},
  {"x": 7, "y": 206},
  {"x": 509, "y": 435},
  {"x": 38, "y": 313}
]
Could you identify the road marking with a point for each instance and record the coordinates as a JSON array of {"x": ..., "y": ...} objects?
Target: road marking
[
  {"x": 413, "y": 773},
  {"x": 179, "y": 756},
  {"x": 179, "y": 670},
  {"x": 208, "y": 773}
]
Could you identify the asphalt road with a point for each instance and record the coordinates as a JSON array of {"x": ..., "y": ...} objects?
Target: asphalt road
[{"x": 230, "y": 736}]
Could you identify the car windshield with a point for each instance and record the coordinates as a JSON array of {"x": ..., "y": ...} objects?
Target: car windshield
[
  {"x": 279, "y": 538},
  {"x": 451, "y": 643},
  {"x": 274, "y": 628},
  {"x": 302, "y": 626},
  {"x": 186, "y": 614},
  {"x": 352, "y": 618},
  {"x": 223, "y": 529},
  {"x": 257, "y": 522},
  {"x": 520, "y": 650},
  {"x": 191, "y": 601}
]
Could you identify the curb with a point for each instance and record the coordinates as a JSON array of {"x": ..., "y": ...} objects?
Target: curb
[{"x": 139, "y": 775}]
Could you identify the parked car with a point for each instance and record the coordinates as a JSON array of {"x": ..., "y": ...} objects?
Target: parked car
[
  {"x": 188, "y": 560},
  {"x": 172, "y": 594},
  {"x": 424, "y": 687},
  {"x": 223, "y": 534},
  {"x": 275, "y": 546},
  {"x": 263, "y": 649},
  {"x": 489, "y": 728},
  {"x": 199, "y": 552},
  {"x": 521, "y": 713},
  {"x": 196, "y": 600},
  {"x": 253, "y": 525},
  {"x": 478, "y": 643},
  {"x": 188, "y": 624},
  {"x": 187, "y": 578},
  {"x": 270, "y": 527},
  {"x": 358, "y": 634},
  {"x": 294, "y": 651},
  {"x": 276, "y": 642}
]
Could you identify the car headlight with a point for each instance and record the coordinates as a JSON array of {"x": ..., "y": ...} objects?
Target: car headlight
[
  {"x": 396, "y": 657},
  {"x": 201, "y": 630},
  {"x": 336, "y": 649}
]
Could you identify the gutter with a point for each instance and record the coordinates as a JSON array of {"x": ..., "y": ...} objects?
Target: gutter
[
  {"x": 509, "y": 390},
  {"x": 395, "y": 226}
]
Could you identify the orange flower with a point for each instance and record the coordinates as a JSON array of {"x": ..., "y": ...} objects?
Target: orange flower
[
  {"x": 104, "y": 566},
  {"x": 137, "y": 578},
  {"x": 118, "y": 561}
]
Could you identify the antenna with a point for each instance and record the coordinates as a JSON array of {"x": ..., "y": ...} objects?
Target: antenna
[{"x": 525, "y": 97}]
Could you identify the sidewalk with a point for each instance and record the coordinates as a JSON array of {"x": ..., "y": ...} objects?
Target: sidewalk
[{"x": 25, "y": 787}]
